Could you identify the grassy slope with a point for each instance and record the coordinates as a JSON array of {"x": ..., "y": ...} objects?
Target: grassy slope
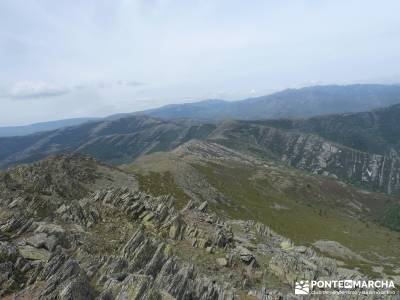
[
  {"x": 302, "y": 207},
  {"x": 302, "y": 216}
]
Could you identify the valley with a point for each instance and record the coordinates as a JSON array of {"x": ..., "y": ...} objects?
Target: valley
[{"x": 147, "y": 208}]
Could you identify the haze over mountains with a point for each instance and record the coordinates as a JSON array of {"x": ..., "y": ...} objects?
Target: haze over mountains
[
  {"x": 165, "y": 160},
  {"x": 187, "y": 203},
  {"x": 366, "y": 153},
  {"x": 43, "y": 126},
  {"x": 197, "y": 210},
  {"x": 290, "y": 103}
]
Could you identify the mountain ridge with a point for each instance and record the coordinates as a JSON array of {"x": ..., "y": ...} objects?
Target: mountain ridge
[
  {"x": 289, "y": 103},
  {"x": 293, "y": 103},
  {"x": 75, "y": 228},
  {"x": 376, "y": 131},
  {"x": 123, "y": 140}
]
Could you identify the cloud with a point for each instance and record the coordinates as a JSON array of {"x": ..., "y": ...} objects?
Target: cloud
[
  {"x": 35, "y": 90},
  {"x": 178, "y": 56},
  {"x": 130, "y": 83},
  {"x": 120, "y": 83}
]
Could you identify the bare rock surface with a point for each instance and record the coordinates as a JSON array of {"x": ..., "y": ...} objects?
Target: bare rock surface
[{"x": 65, "y": 236}]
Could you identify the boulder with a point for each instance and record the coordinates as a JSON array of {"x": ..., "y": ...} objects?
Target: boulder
[
  {"x": 8, "y": 252},
  {"x": 245, "y": 255},
  {"x": 77, "y": 289},
  {"x": 135, "y": 287},
  {"x": 222, "y": 261},
  {"x": 33, "y": 253},
  {"x": 203, "y": 206},
  {"x": 42, "y": 240}
]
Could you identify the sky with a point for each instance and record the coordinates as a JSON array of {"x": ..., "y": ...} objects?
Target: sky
[{"x": 72, "y": 58}]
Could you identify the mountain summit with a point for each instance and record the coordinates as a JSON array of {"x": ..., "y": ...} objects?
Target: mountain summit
[{"x": 291, "y": 103}]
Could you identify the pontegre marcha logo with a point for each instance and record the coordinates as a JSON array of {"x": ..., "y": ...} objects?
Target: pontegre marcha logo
[{"x": 302, "y": 287}]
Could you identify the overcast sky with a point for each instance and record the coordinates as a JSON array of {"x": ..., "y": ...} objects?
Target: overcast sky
[{"x": 74, "y": 58}]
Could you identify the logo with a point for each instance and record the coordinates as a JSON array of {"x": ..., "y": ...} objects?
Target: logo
[
  {"x": 346, "y": 286},
  {"x": 302, "y": 287}
]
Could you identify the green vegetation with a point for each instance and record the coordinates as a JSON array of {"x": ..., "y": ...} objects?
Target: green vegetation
[
  {"x": 299, "y": 208},
  {"x": 304, "y": 207},
  {"x": 391, "y": 218},
  {"x": 206, "y": 262},
  {"x": 374, "y": 131},
  {"x": 159, "y": 184}
]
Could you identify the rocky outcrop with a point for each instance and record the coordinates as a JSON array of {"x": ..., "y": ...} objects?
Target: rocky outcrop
[
  {"x": 122, "y": 243},
  {"x": 315, "y": 154}
]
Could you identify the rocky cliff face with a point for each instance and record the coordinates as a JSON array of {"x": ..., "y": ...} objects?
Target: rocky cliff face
[
  {"x": 315, "y": 154},
  {"x": 114, "y": 141},
  {"x": 359, "y": 148},
  {"x": 376, "y": 131},
  {"x": 107, "y": 240}
]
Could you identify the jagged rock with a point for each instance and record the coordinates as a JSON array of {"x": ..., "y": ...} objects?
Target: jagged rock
[
  {"x": 102, "y": 240},
  {"x": 76, "y": 289},
  {"x": 164, "y": 295},
  {"x": 50, "y": 229},
  {"x": 33, "y": 253},
  {"x": 291, "y": 265},
  {"x": 203, "y": 206},
  {"x": 190, "y": 205},
  {"x": 286, "y": 245},
  {"x": 8, "y": 252},
  {"x": 13, "y": 224},
  {"x": 156, "y": 262},
  {"x": 245, "y": 255},
  {"x": 133, "y": 243},
  {"x": 148, "y": 217},
  {"x": 65, "y": 279},
  {"x": 222, "y": 261},
  {"x": 6, "y": 270},
  {"x": 41, "y": 240},
  {"x": 134, "y": 287},
  {"x": 175, "y": 231}
]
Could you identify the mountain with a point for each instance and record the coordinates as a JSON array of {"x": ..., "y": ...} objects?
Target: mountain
[
  {"x": 114, "y": 141},
  {"x": 357, "y": 148},
  {"x": 313, "y": 153},
  {"x": 196, "y": 209},
  {"x": 39, "y": 127},
  {"x": 72, "y": 227},
  {"x": 376, "y": 131},
  {"x": 291, "y": 103},
  {"x": 207, "y": 109},
  {"x": 298, "y": 205}
]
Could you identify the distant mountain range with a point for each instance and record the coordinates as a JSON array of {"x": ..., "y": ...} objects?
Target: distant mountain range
[
  {"x": 115, "y": 141},
  {"x": 361, "y": 148},
  {"x": 290, "y": 103},
  {"x": 42, "y": 126},
  {"x": 375, "y": 131},
  {"x": 199, "y": 206}
]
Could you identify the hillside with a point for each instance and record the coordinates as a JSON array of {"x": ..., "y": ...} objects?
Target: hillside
[
  {"x": 316, "y": 211},
  {"x": 43, "y": 126},
  {"x": 108, "y": 239},
  {"x": 204, "y": 212},
  {"x": 291, "y": 103},
  {"x": 114, "y": 141},
  {"x": 340, "y": 146},
  {"x": 376, "y": 131},
  {"x": 313, "y": 153}
]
